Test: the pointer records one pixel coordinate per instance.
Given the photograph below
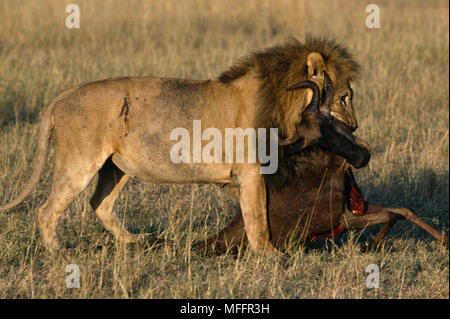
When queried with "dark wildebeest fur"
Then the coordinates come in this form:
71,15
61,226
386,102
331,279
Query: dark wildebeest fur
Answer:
314,203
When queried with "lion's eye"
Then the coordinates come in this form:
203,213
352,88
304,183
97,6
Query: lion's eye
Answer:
343,100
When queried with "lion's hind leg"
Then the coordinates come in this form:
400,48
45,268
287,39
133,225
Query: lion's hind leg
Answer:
111,180
71,176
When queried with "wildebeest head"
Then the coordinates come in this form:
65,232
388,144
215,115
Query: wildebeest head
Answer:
318,127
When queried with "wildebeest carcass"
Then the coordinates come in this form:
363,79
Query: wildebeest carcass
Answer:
331,201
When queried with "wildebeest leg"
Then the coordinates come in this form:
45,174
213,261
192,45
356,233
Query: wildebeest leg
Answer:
71,176
375,215
252,198
412,217
111,180
378,214
381,234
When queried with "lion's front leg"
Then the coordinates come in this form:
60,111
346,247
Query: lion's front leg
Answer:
252,197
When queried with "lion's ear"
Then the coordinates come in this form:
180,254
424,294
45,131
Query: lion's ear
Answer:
316,67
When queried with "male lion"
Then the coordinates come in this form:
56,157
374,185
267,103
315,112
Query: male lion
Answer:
120,128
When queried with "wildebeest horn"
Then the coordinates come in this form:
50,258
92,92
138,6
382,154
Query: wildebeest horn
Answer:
312,107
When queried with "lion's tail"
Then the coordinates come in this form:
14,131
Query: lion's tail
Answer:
45,132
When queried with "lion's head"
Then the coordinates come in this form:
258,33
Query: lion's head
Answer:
291,65
281,66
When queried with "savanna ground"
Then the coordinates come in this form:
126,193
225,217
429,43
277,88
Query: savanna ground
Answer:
402,103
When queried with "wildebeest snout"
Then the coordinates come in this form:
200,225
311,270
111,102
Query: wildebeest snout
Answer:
337,137
361,159
362,155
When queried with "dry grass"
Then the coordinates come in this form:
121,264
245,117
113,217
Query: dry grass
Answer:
401,102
